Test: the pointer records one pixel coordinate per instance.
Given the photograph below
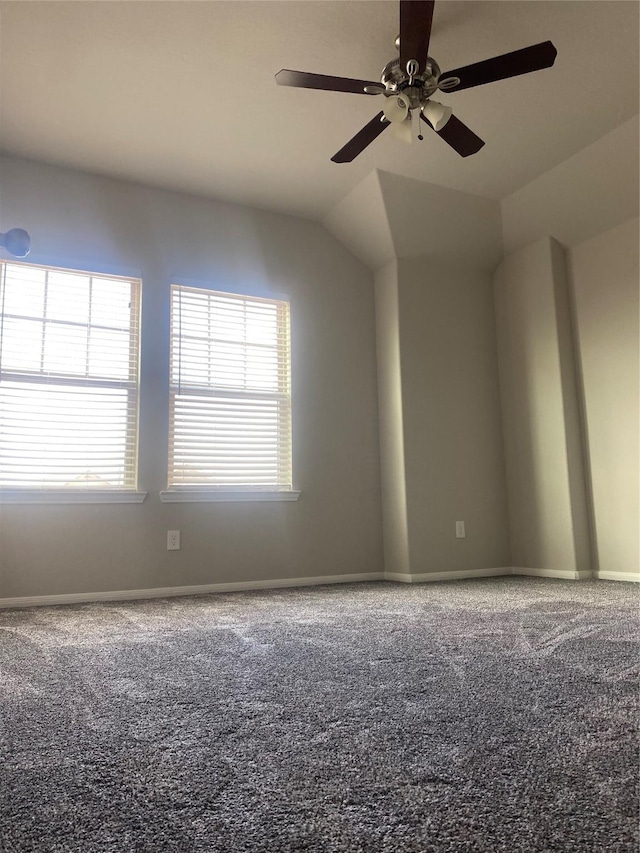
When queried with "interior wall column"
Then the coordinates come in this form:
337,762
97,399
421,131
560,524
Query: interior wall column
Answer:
548,519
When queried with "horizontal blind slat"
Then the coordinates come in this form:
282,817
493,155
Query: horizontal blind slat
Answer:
68,378
230,405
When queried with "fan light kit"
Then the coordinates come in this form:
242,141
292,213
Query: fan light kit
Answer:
408,82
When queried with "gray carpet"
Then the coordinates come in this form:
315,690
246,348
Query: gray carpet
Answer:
496,715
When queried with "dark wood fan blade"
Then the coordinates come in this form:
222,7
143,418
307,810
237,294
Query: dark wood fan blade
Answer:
415,31
523,61
362,138
303,80
456,134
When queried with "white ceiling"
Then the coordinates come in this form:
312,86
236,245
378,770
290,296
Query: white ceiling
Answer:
182,95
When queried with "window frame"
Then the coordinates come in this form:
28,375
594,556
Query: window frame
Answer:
43,494
212,493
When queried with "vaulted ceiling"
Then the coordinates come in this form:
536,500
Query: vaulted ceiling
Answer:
182,94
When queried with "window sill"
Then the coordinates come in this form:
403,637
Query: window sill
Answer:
220,496
71,496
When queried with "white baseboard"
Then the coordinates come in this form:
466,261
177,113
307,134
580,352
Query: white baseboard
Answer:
447,576
501,571
551,573
633,577
174,591
397,577
282,583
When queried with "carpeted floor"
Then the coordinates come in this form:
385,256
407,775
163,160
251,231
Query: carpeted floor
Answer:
495,715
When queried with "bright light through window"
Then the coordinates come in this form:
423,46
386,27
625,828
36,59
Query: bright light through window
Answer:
230,419
68,378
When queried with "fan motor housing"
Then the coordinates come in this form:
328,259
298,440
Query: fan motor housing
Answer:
395,79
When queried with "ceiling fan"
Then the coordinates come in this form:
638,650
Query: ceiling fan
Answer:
408,82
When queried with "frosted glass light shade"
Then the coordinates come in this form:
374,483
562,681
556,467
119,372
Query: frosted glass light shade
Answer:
396,108
437,114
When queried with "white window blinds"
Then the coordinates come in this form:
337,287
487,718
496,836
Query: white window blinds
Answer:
68,378
230,417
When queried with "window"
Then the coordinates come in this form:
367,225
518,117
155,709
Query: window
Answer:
230,409
68,383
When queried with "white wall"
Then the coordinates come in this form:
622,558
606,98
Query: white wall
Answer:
361,223
542,439
604,273
451,412
440,428
450,226
99,224
391,412
585,195
589,204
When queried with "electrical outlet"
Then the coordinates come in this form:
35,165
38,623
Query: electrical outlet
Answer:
460,534
173,540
